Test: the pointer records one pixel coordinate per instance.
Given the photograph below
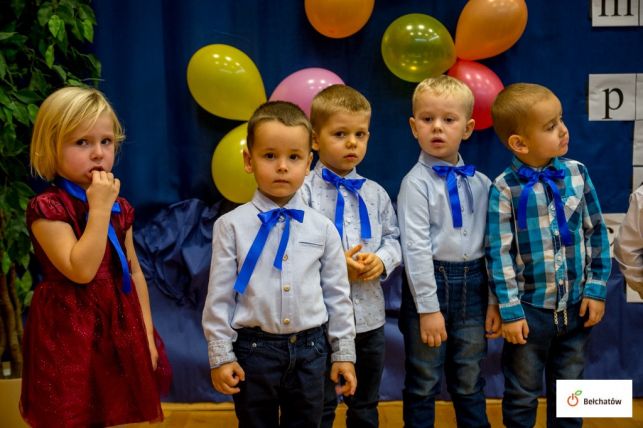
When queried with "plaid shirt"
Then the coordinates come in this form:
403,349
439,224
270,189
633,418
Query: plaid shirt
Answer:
532,265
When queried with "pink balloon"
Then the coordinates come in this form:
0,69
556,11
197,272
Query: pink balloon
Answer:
301,87
484,84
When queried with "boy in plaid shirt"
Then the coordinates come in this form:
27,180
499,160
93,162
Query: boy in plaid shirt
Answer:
547,253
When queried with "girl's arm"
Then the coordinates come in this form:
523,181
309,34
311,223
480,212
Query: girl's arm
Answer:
141,289
79,259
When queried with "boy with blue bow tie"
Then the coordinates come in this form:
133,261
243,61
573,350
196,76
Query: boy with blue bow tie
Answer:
548,253
278,286
367,225
445,309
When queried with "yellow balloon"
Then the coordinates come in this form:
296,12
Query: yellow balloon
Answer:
225,82
228,172
417,46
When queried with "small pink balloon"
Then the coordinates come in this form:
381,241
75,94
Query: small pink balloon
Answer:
301,87
484,84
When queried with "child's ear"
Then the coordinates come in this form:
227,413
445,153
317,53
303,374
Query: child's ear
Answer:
468,130
413,129
310,161
315,142
247,161
517,144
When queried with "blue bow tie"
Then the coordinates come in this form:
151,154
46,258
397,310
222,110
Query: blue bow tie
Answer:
547,176
353,186
79,193
451,173
268,220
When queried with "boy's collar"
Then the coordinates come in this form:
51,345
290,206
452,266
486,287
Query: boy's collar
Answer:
517,163
264,203
429,160
320,165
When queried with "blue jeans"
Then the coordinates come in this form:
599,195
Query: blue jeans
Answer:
462,293
362,407
554,347
284,383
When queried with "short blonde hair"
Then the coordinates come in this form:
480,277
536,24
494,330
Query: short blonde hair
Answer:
334,99
61,114
284,112
512,106
445,85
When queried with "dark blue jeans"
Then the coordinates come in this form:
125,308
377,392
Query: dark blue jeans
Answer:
554,347
462,293
284,383
362,407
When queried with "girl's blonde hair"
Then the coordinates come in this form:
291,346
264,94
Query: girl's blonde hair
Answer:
445,85
60,115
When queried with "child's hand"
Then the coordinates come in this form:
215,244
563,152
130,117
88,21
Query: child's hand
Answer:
103,191
225,378
355,267
493,322
154,353
373,266
432,329
516,332
346,370
596,311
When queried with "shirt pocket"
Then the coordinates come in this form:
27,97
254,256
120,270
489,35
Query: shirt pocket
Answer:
311,246
573,211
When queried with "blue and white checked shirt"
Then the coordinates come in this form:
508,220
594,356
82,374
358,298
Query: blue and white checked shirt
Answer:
426,226
533,266
367,296
311,288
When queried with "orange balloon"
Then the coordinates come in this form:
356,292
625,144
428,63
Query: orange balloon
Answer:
338,18
489,27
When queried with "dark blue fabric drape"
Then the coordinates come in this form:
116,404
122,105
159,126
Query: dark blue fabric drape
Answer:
145,47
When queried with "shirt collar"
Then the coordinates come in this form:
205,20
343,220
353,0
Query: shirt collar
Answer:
263,203
320,165
517,163
429,161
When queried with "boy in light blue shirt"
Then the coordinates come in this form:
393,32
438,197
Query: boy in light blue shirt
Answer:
442,208
367,224
278,285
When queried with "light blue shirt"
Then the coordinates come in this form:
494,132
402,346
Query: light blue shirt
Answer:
367,296
426,226
310,289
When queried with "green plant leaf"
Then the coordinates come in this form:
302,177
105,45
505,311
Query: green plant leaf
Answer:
49,56
6,263
5,36
56,26
88,30
18,6
3,66
33,111
61,72
44,13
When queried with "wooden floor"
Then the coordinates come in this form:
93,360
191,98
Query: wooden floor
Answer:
202,415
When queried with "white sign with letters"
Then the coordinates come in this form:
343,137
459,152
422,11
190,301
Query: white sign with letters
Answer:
612,96
616,13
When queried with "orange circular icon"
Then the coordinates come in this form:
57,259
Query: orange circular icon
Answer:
572,400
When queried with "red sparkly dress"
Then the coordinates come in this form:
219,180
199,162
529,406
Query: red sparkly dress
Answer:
86,357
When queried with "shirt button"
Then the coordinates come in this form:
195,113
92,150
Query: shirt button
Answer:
285,257
560,282
552,208
556,233
293,339
286,321
286,288
356,301
464,232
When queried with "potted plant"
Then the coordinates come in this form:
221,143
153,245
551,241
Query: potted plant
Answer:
44,45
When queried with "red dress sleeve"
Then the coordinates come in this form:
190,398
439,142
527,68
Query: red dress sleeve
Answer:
48,206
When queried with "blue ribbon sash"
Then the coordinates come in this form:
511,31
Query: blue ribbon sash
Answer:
353,186
79,193
547,177
268,220
450,173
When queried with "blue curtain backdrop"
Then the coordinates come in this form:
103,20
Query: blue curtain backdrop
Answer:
145,47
